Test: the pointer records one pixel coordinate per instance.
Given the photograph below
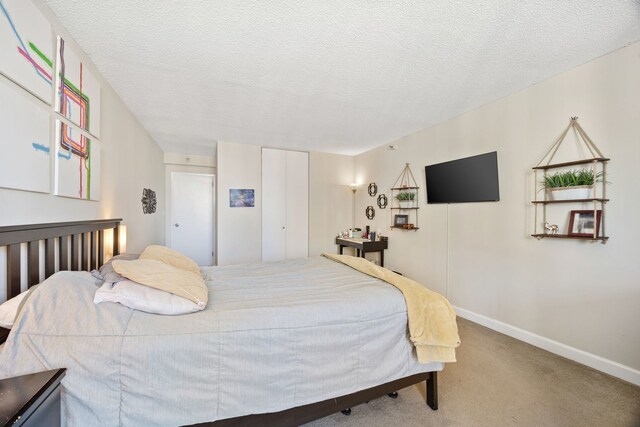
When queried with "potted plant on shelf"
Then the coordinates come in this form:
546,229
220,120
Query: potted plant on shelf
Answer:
406,199
571,185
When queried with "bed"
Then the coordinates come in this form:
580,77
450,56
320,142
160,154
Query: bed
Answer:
278,344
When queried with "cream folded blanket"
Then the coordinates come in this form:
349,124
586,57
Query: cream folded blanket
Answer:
432,321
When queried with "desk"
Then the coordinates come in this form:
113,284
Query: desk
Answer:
363,246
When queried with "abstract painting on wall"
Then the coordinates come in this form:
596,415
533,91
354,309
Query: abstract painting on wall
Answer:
77,172
78,91
241,198
26,50
25,161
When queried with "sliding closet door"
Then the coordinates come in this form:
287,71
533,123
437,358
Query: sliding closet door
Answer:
285,204
297,204
273,205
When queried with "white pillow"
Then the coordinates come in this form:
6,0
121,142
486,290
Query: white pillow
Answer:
144,298
9,310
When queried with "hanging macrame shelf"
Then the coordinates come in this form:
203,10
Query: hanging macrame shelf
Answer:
404,201
597,161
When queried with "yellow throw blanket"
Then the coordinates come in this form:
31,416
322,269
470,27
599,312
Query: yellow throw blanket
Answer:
432,321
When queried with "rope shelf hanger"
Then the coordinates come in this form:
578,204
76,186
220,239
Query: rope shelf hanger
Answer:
405,180
406,183
596,155
545,164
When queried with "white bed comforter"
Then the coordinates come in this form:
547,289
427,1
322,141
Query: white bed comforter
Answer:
274,336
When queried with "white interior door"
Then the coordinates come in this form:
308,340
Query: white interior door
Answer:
297,204
273,205
192,210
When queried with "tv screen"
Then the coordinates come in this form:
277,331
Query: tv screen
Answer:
472,179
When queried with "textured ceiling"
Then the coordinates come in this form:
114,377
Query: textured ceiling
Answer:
329,75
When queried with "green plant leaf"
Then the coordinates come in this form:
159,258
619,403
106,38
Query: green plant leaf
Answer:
571,178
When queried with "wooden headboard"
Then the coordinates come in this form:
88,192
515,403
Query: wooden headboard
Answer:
80,246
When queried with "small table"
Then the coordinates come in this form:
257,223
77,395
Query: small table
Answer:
363,246
31,400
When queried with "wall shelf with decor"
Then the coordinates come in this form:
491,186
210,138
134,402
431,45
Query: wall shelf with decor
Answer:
404,199
566,187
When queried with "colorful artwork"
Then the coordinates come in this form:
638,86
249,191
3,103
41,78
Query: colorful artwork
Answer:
77,164
241,198
26,47
78,91
25,160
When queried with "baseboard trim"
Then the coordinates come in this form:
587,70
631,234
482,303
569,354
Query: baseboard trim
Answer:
596,362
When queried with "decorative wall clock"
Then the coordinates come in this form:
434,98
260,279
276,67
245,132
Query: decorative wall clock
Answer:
373,189
371,213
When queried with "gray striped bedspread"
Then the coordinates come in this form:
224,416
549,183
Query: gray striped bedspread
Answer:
273,336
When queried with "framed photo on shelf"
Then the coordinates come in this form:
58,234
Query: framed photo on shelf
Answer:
582,223
400,220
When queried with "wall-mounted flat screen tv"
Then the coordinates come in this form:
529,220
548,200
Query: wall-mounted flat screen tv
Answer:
472,179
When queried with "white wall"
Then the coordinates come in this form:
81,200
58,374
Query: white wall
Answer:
131,161
330,199
577,298
239,229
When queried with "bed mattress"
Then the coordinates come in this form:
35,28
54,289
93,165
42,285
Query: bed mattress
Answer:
273,336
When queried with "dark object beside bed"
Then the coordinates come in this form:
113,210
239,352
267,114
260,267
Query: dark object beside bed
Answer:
31,400
84,251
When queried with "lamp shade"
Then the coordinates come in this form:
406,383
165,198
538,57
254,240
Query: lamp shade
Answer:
122,239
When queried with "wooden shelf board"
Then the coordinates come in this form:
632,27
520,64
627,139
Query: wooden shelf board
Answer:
571,201
566,236
573,163
405,188
407,229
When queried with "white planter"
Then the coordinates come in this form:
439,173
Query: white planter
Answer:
407,204
570,193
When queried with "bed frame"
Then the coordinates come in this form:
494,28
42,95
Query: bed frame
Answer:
80,247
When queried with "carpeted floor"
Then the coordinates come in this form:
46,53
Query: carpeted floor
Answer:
500,381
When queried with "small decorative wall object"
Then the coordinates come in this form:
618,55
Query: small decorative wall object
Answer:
565,186
382,201
373,189
370,212
551,228
583,223
77,161
78,94
241,198
24,162
400,221
405,191
149,201
26,47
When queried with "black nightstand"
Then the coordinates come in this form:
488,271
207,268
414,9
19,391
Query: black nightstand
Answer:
31,400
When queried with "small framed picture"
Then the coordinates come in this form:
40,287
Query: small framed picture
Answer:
400,220
583,223
241,198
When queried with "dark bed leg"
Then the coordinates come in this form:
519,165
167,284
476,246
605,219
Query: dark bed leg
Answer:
432,391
